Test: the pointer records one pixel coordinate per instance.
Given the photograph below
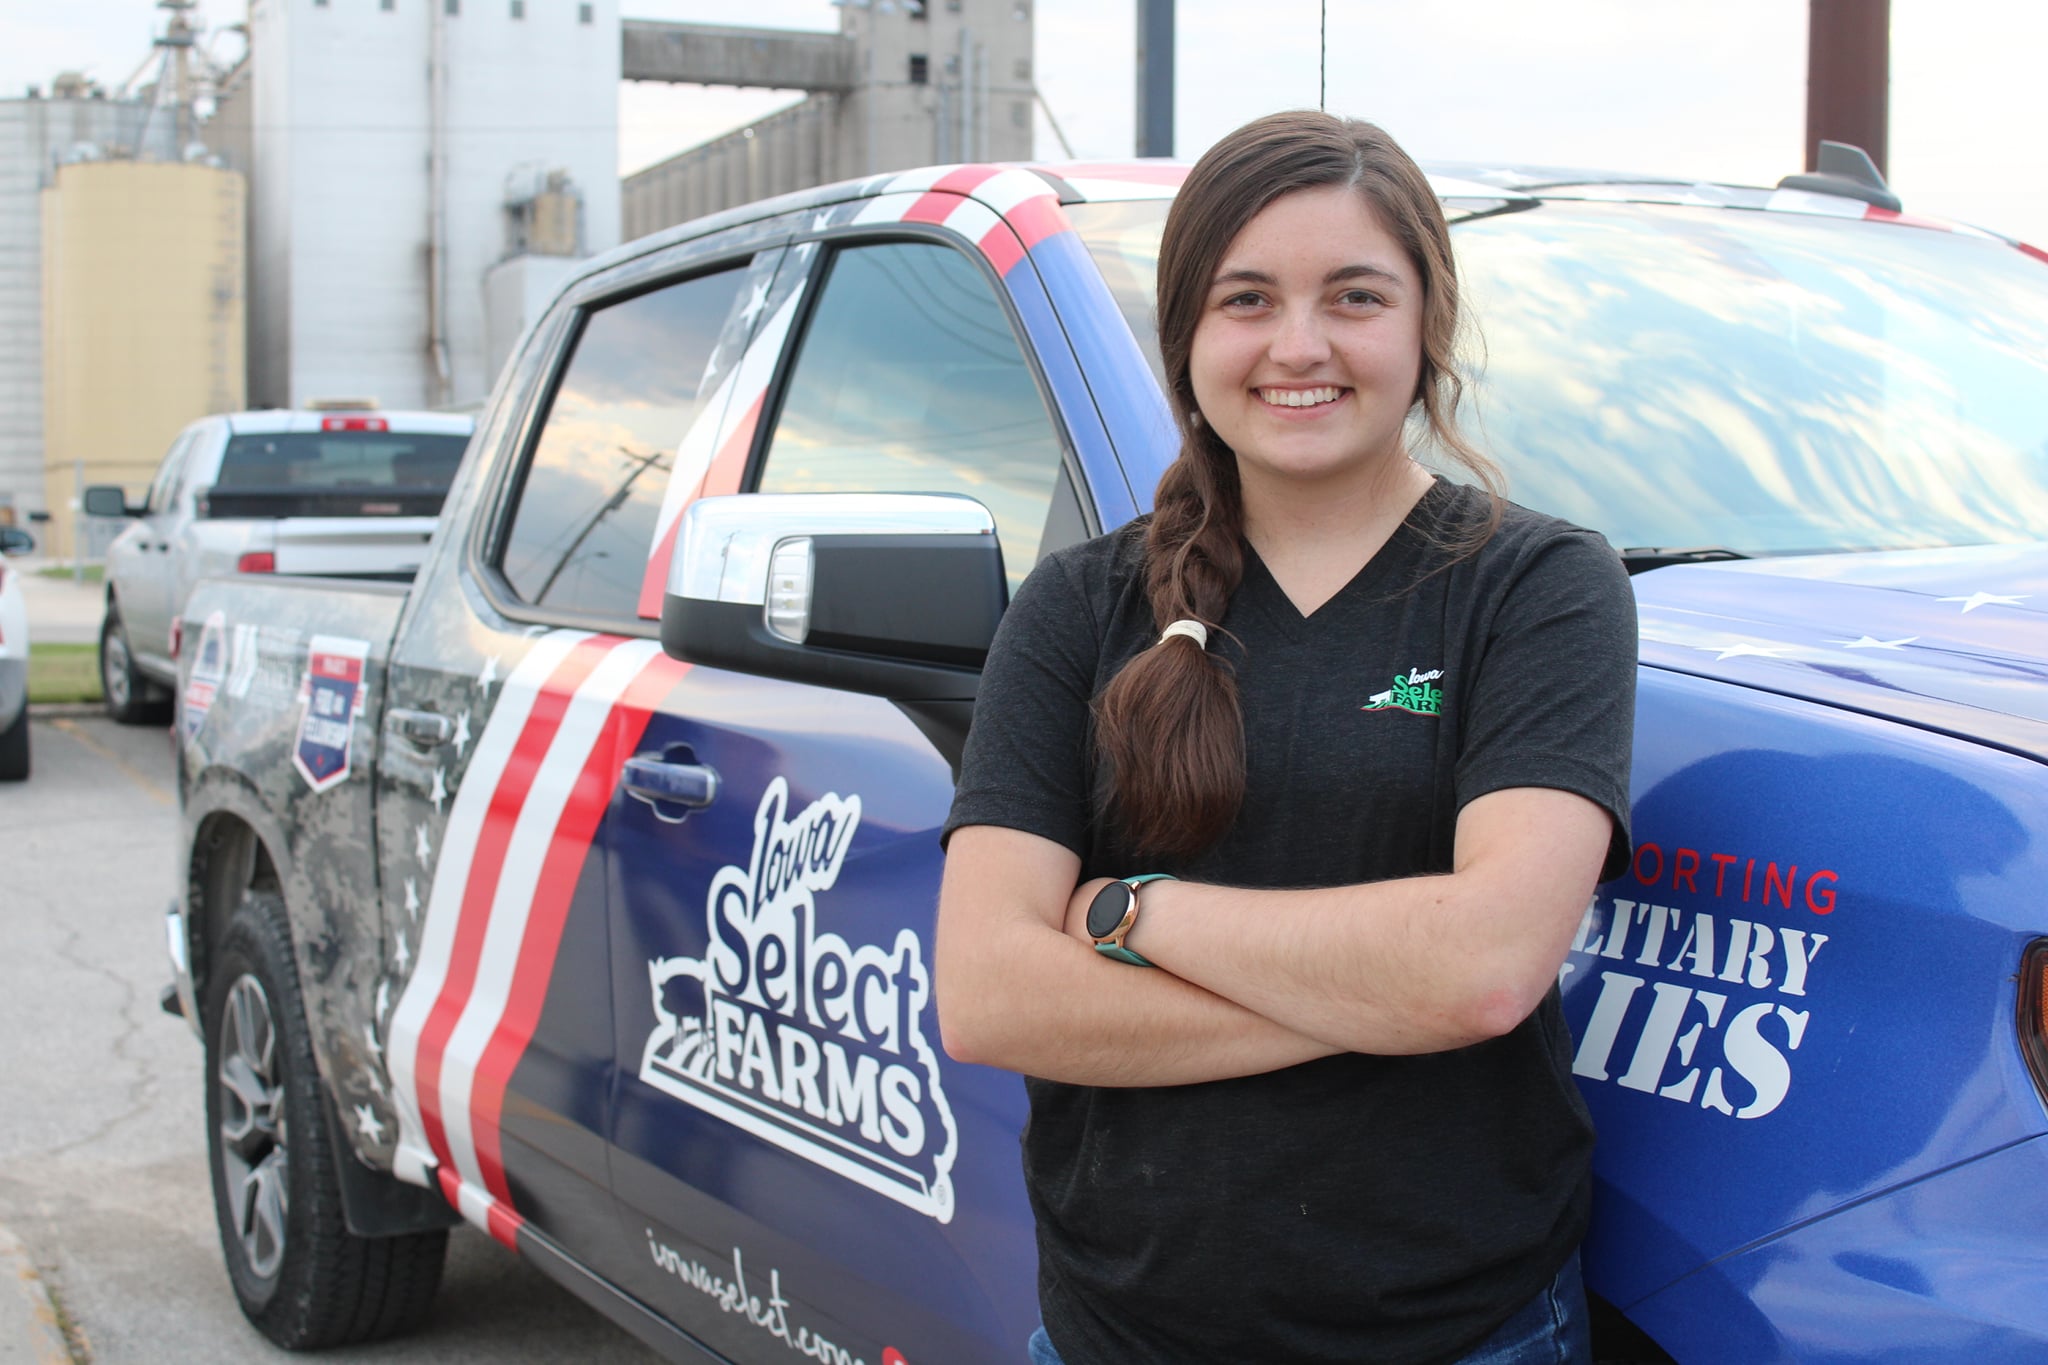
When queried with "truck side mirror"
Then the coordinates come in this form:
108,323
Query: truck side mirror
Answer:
108,500
892,594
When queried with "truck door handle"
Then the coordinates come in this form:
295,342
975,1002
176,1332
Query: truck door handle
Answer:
428,729
672,788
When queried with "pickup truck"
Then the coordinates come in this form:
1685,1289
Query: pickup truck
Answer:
584,889
343,490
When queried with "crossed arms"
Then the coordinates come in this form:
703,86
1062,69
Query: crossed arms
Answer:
1252,981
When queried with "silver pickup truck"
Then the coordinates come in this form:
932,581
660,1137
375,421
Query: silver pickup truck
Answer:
351,493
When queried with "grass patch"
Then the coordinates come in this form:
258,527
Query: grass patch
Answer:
63,673
94,573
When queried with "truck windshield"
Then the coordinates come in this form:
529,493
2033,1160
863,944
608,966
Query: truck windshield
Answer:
354,461
1771,383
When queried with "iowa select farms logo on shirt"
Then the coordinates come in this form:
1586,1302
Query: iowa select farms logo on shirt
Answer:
801,1036
1417,692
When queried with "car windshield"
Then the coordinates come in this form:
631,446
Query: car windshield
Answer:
1769,383
341,459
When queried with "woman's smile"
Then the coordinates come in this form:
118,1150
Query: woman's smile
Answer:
1300,398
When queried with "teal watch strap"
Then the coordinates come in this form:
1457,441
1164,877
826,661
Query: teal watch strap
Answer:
1117,950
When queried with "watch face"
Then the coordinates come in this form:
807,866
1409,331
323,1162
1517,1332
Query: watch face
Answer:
1108,908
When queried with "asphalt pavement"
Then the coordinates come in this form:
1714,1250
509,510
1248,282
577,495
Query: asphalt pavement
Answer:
107,1236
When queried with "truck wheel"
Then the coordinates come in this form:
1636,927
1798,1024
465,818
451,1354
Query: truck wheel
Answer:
301,1276
131,698
14,748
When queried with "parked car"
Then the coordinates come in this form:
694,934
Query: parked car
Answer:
14,540
13,675
584,890
344,491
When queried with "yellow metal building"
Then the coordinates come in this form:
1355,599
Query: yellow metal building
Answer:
143,320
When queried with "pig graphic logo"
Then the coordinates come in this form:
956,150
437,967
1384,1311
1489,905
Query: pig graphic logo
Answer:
799,1034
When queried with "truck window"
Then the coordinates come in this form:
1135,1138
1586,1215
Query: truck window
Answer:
910,380
166,481
591,494
379,460
193,464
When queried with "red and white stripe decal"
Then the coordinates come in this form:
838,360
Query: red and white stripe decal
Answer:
1841,206
512,851
713,455
1002,210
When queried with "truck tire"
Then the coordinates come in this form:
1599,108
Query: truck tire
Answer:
14,748
302,1278
131,698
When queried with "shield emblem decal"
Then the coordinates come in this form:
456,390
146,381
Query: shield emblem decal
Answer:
331,694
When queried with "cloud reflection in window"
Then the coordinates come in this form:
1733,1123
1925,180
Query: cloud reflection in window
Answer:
1770,383
593,491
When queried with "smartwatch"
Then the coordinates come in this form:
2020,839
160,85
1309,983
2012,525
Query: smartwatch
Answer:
1112,914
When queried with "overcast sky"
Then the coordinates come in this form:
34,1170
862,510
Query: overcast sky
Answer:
1710,88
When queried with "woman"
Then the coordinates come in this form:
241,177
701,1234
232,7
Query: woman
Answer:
1356,739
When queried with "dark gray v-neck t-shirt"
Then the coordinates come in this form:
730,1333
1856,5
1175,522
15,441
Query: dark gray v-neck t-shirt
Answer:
1355,1208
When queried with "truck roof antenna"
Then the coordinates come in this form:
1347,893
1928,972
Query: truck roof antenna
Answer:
1848,172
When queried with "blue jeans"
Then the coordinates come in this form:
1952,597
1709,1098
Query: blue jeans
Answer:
1553,1328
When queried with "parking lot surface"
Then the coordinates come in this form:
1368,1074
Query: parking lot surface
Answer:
103,1183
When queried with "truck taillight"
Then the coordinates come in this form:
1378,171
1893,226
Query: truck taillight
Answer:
257,561
2034,1012
177,635
354,424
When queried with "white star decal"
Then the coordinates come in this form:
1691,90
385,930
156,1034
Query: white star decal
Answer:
376,1083
383,998
370,1037
439,795
412,898
488,676
461,733
1985,599
368,1124
420,844
1866,642
1738,651
755,303
822,221
402,953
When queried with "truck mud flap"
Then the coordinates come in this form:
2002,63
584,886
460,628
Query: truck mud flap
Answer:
377,1203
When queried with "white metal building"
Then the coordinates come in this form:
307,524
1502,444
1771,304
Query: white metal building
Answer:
395,149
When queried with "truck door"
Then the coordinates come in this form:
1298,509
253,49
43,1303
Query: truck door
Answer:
797,1164
519,686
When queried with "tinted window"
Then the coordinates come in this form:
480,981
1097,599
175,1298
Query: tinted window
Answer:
1774,383
161,487
592,493
341,459
910,380
1769,382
